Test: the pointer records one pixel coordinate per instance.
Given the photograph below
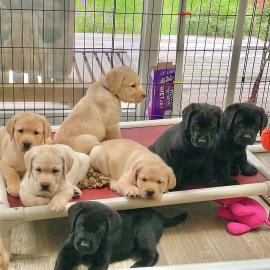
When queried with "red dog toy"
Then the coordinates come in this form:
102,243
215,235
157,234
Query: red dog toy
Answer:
245,214
265,138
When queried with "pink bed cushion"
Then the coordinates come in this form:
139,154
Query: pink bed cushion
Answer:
145,136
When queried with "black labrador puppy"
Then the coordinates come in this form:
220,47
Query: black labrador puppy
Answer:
100,236
242,122
188,147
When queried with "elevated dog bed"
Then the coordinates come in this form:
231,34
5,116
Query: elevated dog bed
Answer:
12,212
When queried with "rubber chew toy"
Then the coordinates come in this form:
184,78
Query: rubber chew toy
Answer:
265,138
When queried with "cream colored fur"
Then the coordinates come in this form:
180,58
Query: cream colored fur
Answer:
96,116
57,166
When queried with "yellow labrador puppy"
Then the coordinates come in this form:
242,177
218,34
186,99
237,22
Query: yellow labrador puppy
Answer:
134,170
96,116
21,132
4,257
53,171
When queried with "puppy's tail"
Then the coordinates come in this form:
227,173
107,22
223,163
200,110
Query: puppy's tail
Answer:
170,222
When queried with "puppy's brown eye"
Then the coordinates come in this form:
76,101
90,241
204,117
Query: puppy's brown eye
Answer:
38,169
55,171
159,182
36,132
20,130
144,180
133,85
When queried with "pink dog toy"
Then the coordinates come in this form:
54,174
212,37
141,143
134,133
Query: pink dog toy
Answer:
244,213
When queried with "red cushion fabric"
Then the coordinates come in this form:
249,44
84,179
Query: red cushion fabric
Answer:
144,135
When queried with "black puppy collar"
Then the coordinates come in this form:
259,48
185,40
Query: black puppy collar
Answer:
104,86
108,89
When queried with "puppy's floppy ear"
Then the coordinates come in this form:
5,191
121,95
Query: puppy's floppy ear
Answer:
229,115
114,79
46,127
137,167
172,179
67,161
188,112
10,125
264,119
28,159
73,212
220,118
114,222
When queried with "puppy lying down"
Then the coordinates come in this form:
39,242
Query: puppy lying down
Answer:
53,171
134,171
100,236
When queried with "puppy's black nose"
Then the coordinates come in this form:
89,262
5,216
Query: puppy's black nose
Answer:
45,186
144,95
27,145
150,192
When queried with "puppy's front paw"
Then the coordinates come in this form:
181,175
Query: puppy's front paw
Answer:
13,190
57,205
234,170
248,170
77,193
213,183
132,192
230,182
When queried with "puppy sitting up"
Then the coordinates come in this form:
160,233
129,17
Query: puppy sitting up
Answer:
96,117
188,147
100,236
53,171
21,132
242,122
134,171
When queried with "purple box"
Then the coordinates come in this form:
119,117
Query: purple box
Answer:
160,91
